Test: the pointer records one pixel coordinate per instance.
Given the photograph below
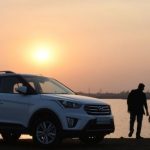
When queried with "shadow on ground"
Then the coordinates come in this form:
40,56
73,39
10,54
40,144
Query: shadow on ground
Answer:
107,144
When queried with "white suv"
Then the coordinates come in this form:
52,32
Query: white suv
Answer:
49,111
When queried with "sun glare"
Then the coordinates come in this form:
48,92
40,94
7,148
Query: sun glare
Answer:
43,55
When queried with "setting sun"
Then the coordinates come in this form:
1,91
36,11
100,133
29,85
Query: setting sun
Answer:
42,55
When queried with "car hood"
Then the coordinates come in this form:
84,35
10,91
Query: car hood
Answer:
76,98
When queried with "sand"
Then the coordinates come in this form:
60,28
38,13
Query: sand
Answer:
107,144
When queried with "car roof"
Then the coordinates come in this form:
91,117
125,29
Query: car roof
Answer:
10,73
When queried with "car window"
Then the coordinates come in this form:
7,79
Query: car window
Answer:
49,87
44,85
15,86
9,84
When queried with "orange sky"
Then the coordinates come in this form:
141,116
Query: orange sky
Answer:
101,45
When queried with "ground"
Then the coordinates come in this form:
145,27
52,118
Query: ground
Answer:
107,144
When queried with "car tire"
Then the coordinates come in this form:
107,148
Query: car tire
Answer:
91,139
47,132
10,137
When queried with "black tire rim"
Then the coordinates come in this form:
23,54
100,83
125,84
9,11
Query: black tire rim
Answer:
46,132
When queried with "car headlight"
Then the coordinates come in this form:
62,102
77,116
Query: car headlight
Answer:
69,104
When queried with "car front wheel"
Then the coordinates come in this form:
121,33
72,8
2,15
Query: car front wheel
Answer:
46,132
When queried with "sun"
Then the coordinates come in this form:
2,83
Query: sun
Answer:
43,55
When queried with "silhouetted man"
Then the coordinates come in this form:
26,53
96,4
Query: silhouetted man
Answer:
136,102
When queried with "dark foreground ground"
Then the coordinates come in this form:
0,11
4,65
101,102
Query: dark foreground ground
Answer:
107,144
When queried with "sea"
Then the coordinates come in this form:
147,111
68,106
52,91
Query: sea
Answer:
121,119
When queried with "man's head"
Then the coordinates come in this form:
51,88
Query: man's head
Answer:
141,86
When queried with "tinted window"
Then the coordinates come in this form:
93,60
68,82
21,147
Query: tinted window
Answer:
44,85
9,84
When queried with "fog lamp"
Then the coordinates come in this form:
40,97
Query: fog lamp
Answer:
72,122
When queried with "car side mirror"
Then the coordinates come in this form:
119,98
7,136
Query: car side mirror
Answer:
22,89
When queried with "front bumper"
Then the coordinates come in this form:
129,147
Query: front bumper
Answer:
91,128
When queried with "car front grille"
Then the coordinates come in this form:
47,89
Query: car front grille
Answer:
97,109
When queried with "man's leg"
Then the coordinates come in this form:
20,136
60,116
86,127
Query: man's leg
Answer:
139,125
132,120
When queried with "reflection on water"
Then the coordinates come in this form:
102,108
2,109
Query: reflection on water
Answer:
121,117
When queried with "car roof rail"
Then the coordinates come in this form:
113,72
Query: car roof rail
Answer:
6,71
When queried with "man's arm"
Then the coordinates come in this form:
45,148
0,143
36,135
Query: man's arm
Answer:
145,105
129,101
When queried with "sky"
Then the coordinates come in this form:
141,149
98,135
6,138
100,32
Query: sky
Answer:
93,45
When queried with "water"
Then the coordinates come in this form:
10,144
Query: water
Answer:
121,117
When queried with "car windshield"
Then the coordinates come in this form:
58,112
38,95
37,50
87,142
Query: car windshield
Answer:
44,85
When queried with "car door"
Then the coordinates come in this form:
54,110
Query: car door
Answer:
14,107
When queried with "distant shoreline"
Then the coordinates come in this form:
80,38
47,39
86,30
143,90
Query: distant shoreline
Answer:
122,95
